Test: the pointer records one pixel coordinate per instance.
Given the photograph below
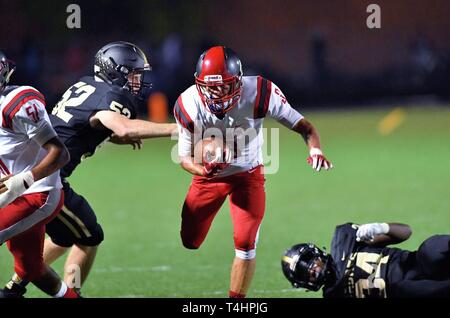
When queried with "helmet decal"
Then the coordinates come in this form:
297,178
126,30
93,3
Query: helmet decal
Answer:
213,78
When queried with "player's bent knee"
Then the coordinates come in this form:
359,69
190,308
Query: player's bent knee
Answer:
96,238
189,242
190,245
245,255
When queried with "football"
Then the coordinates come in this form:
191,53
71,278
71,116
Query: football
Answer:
211,149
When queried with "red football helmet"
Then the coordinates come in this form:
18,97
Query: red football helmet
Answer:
218,78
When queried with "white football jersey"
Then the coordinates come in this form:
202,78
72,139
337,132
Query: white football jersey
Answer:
242,125
24,128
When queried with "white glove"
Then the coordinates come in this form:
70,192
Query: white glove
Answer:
317,160
16,185
367,232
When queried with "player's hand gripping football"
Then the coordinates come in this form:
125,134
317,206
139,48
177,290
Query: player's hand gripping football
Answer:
317,160
215,162
367,232
13,186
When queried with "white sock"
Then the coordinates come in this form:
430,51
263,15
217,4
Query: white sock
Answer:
62,291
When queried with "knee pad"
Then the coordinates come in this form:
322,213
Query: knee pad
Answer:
246,255
97,236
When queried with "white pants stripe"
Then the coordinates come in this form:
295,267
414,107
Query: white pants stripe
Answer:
28,222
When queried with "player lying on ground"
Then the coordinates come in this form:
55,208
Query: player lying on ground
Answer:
361,265
224,102
30,186
91,111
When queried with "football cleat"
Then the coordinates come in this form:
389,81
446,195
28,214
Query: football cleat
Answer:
13,290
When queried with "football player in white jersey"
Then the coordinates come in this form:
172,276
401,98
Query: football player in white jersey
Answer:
224,102
30,187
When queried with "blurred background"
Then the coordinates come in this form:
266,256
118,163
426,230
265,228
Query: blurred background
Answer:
379,97
321,53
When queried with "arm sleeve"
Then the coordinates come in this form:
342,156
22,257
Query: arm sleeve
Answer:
185,129
32,120
280,109
343,242
184,142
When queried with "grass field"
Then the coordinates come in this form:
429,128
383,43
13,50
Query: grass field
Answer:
403,176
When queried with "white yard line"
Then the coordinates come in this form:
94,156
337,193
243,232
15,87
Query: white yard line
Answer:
162,268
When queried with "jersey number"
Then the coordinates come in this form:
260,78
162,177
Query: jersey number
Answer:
283,99
119,108
33,113
73,97
371,264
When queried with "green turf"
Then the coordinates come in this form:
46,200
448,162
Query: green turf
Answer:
403,177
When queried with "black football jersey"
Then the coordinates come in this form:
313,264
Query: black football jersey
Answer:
71,115
362,271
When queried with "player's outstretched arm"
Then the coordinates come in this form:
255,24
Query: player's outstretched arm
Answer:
312,140
308,132
56,158
131,129
383,234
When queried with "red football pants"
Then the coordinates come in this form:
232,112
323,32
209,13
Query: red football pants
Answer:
22,226
206,196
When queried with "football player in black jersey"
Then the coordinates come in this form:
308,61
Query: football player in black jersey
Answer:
91,111
362,266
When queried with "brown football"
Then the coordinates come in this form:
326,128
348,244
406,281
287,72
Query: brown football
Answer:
209,149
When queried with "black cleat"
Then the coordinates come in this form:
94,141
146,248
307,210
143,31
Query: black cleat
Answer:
13,290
